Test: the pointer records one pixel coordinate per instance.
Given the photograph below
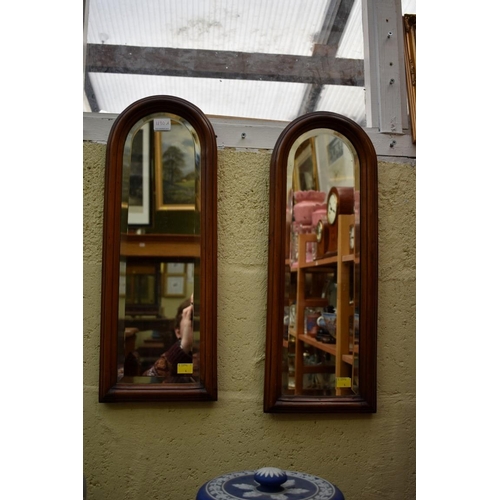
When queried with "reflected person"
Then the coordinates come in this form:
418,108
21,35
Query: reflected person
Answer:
181,352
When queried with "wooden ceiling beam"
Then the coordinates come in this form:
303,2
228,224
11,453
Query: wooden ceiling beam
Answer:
89,92
321,68
336,17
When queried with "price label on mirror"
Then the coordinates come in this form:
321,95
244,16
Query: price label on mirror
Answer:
343,382
162,124
185,368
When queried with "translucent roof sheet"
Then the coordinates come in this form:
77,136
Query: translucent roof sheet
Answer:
229,57
270,26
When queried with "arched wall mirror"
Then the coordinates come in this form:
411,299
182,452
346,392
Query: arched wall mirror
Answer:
322,278
159,281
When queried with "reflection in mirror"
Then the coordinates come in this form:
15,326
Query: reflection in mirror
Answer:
158,332
321,335
156,293
318,161
158,281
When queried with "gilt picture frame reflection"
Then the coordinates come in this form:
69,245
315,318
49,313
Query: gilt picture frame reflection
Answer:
305,176
177,159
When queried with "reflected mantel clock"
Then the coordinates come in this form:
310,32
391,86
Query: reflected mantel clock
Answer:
340,201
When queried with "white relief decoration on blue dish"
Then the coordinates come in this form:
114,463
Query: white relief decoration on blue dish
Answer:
283,495
308,487
270,471
245,486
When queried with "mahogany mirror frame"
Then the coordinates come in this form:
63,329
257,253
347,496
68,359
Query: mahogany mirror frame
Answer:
110,389
365,401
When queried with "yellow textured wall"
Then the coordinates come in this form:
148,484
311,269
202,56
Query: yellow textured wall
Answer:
166,451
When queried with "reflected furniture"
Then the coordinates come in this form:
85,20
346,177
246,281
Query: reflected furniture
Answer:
338,358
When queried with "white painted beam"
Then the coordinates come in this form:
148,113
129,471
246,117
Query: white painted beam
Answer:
386,107
253,134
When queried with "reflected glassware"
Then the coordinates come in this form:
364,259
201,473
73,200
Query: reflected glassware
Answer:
291,320
311,316
286,322
329,321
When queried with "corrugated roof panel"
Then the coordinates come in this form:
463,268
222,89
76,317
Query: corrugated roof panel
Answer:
347,101
351,42
409,6
243,98
268,26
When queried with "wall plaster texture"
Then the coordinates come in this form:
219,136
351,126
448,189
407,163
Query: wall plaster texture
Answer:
167,451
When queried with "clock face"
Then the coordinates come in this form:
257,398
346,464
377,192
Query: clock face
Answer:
332,208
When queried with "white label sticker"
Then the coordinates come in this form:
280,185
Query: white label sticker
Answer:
162,123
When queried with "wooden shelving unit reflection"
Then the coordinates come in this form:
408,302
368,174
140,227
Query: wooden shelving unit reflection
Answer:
341,265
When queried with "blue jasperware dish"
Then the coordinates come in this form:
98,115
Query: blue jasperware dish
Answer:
269,483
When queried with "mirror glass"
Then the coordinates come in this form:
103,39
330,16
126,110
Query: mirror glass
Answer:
320,315
159,249
158,319
320,337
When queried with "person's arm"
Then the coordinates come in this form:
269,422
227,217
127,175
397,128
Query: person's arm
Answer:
186,330
180,352
176,354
